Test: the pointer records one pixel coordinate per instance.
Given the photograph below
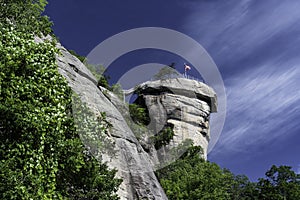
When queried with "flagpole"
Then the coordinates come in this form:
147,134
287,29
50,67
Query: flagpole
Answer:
184,70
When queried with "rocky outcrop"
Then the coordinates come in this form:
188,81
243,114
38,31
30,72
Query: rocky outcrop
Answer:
183,87
181,103
131,161
185,104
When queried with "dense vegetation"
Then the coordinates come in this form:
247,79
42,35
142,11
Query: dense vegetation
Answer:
190,177
41,154
25,16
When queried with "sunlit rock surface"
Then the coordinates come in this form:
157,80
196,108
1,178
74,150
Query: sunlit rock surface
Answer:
182,103
132,162
186,104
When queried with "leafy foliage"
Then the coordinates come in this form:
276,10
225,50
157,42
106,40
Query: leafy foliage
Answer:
243,189
93,130
99,72
81,58
117,90
103,82
41,154
138,120
166,73
25,15
190,177
163,137
96,70
138,114
280,183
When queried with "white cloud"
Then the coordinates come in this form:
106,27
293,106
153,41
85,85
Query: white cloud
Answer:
237,28
263,101
260,105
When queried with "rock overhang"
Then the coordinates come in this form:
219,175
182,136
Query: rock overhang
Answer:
181,86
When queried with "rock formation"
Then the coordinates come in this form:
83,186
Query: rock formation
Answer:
183,104
187,105
132,163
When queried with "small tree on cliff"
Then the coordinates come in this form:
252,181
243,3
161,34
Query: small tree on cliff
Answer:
166,72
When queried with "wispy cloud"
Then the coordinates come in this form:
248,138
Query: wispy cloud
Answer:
254,44
239,30
262,105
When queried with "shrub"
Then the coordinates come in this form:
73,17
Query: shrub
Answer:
25,15
81,58
164,137
138,114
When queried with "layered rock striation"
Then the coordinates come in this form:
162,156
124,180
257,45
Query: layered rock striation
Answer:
183,104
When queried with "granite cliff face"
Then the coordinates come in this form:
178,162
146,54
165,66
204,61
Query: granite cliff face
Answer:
132,163
185,104
182,104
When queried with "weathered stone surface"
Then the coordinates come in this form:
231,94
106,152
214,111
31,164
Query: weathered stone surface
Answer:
132,162
183,87
183,103
186,104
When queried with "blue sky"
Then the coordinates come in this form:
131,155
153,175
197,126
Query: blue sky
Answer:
255,44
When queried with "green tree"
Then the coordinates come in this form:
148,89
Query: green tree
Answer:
81,58
243,189
25,15
41,154
117,90
99,72
138,114
280,183
103,81
166,72
164,137
190,177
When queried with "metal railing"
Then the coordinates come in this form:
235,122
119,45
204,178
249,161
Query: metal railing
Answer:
192,78
174,76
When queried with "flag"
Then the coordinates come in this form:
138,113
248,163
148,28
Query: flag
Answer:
186,67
